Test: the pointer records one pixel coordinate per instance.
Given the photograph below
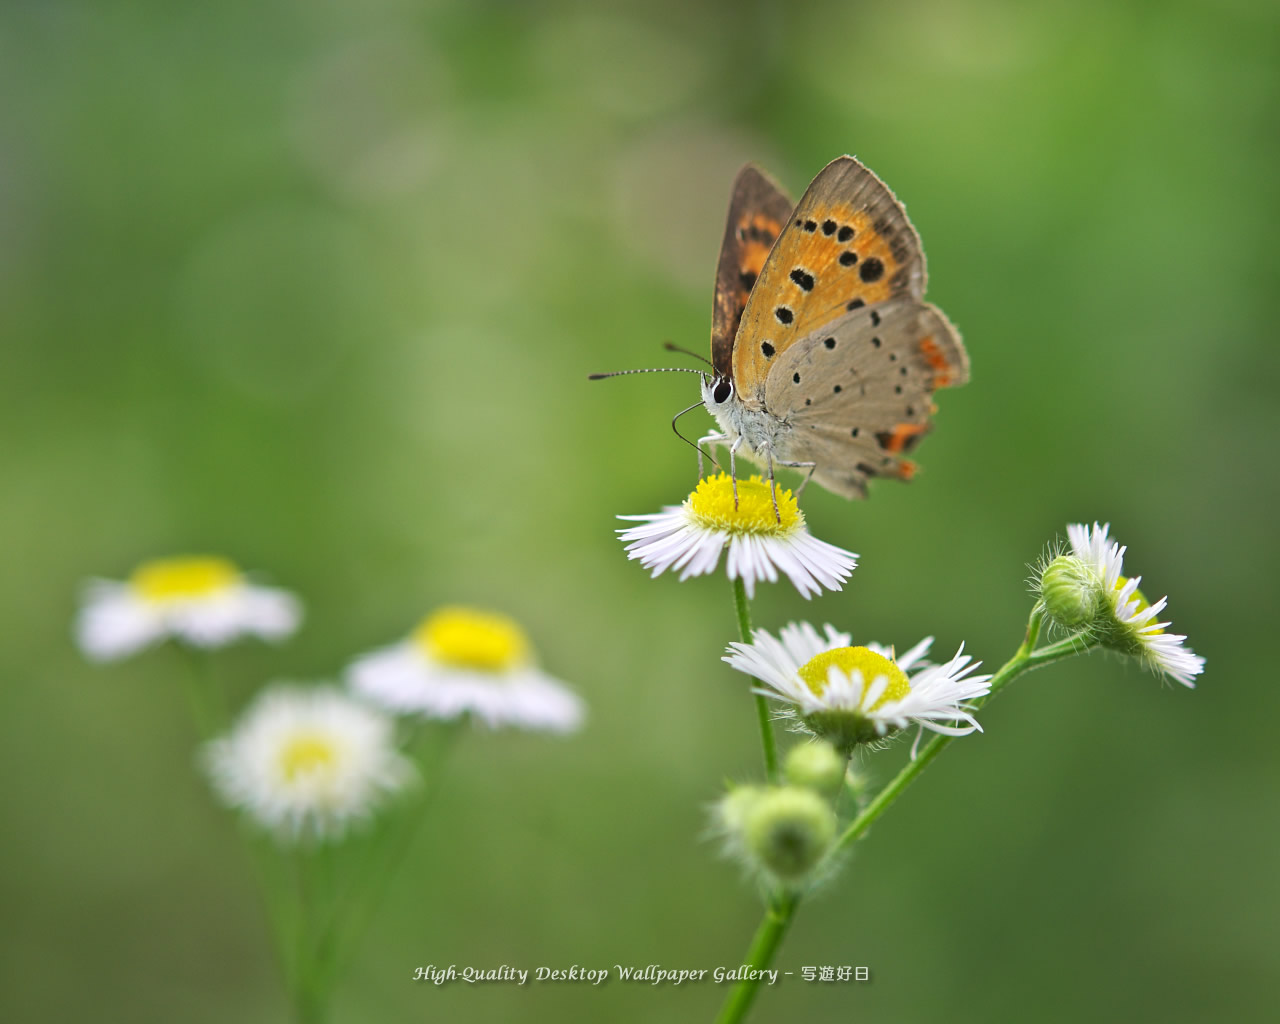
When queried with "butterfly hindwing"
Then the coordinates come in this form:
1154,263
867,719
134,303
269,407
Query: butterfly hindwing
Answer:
847,245
858,392
758,210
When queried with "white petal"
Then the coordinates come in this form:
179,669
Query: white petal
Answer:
114,623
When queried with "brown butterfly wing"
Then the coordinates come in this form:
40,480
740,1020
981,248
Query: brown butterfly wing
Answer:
758,209
847,245
858,392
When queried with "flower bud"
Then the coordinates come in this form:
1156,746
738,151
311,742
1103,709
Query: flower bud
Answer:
730,812
788,831
1072,591
815,766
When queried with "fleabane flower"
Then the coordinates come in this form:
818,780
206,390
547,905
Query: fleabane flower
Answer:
203,601
851,695
761,542
307,762
461,660
1129,620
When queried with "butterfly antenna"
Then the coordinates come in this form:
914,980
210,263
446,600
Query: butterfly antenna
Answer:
671,346
656,369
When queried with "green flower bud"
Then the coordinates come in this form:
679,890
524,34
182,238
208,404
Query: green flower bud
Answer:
788,832
815,766
1072,592
730,812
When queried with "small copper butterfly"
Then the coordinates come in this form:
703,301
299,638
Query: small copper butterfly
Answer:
825,354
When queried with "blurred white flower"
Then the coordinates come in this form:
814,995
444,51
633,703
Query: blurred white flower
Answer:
459,661
203,601
1133,629
307,762
761,542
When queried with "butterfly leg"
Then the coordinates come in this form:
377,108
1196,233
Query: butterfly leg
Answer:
713,438
767,450
733,468
811,466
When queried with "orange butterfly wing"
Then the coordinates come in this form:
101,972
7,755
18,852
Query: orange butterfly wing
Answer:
847,244
758,210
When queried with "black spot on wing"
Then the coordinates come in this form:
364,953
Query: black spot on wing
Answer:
803,278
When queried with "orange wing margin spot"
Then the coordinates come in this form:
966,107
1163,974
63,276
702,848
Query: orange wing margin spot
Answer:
897,439
906,469
757,235
764,223
942,369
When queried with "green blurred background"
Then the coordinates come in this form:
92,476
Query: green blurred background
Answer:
318,285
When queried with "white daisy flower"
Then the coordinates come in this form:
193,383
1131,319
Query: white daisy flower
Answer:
690,537
460,660
203,601
307,762
851,695
1134,629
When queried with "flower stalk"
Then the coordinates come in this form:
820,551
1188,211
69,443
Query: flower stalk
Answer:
764,718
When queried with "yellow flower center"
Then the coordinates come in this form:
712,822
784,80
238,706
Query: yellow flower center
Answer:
870,664
307,754
1141,598
712,503
177,579
473,639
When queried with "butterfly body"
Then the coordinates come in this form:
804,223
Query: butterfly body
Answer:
760,430
824,353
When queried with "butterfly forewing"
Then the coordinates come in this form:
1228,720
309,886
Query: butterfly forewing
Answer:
857,393
847,245
758,210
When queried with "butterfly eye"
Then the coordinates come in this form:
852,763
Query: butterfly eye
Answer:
722,392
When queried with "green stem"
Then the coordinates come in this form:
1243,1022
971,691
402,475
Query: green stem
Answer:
1024,660
207,701
312,977
763,717
303,1006
764,944
281,906
386,849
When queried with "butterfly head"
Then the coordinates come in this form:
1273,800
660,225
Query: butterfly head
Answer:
717,391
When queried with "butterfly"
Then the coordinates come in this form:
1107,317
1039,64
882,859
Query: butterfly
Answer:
824,354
